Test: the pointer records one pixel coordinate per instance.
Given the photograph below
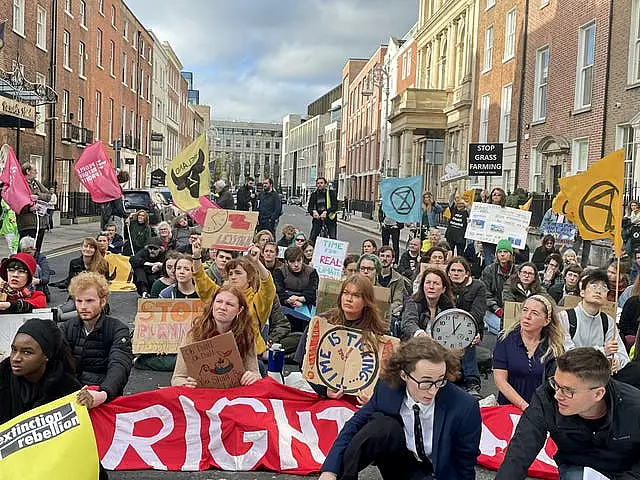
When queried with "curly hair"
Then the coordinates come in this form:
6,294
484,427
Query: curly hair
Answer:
98,263
204,325
257,236
371,323
405,358
86,280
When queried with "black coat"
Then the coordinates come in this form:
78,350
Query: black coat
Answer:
333,199
244,199
614,450
269,210
103,357
10,408
630,316
139,259
225,200
472,298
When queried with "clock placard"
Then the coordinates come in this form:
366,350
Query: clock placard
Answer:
454,328
338,358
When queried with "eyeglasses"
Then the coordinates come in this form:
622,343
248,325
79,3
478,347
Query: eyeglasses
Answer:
19,270
594,287
527,273
566,391
367,269
428,384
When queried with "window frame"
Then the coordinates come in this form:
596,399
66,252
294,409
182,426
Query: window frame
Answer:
576,144
510,29
633,75
537,112
485,109
583,68
41,28
487,57
505,113
18,6
82,60
66,50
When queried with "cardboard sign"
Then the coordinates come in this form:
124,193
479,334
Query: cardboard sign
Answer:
9,325
329,289
160,324
229,229
434,266
214,362
491,223
328,257
511,314
337,357
610,308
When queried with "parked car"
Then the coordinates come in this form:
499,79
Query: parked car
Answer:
151,200
166,193
295,201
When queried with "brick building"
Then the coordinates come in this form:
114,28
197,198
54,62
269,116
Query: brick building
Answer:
563,108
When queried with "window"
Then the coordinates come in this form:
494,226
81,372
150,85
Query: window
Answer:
442,74
490,3
634,44
277,145
81,59
80,118
484,118
427,68
626,139
267,145
67,6
124,68
98,114
579,155
132,124
505,114
544,3
64,109
83,14
125,30
101,6
540,85
99,47
40,109
112,55
488,49
535,171
66,50
510,35
113,16
133,75
18,17
584,74
460,51
41,28
110,120
123,121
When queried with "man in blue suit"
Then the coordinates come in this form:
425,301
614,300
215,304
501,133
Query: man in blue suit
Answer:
416,425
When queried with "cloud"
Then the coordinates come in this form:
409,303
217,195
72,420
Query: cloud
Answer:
261,59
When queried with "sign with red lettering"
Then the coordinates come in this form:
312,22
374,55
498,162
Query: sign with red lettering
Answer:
229,229
328,257
161,323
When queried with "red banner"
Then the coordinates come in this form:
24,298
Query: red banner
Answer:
264,426
15,189
200,214
97,175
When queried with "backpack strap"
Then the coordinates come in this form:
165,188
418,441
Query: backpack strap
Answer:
573,322
605,326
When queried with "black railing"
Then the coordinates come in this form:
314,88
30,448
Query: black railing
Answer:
78,204
364,206
70,132
85,136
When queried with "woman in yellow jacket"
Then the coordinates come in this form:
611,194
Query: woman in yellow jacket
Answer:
244,274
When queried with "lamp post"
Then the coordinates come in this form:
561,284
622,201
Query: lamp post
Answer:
379,76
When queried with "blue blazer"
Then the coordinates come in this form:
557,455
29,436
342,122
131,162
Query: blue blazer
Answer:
456,430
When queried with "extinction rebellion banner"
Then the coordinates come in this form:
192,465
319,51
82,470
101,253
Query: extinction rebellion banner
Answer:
264,426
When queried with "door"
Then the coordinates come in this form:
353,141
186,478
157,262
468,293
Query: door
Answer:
556,173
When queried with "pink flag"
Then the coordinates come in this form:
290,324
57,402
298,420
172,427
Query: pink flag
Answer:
199,214
97,175
15,189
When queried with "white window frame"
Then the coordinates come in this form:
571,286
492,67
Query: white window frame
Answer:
485,105
535,171
99,36
113,17
83,14
101,7
544,3
112,58
110,121
125,30
41,28
585,67
626,139
125,65
490,4
488,49
96,133
505,113
510,25
634,45
579,164
67,7
82,60
64,106
541,82
80,118
66,50
18,17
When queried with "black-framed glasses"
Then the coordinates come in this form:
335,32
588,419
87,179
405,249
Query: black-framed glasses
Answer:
566,391
428,384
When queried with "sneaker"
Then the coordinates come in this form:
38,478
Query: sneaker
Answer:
145,295
474,391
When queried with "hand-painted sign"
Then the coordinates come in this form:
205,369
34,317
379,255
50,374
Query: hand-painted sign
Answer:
229,229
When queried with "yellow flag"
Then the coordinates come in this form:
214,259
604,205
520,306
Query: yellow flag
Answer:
527,205
120,274
447,213
592,200
188,174
50,442
468,196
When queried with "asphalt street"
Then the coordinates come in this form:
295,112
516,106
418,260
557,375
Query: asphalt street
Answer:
123,306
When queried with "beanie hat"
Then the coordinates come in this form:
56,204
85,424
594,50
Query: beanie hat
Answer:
154,242
27,260
504,244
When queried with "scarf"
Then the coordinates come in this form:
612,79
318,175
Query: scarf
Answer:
13,295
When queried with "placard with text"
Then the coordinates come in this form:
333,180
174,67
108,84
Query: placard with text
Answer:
229,229
328,257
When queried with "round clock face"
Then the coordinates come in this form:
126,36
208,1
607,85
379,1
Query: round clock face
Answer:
454,328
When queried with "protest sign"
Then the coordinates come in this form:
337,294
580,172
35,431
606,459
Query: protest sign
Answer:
564,233
337,357
229,229
11,323
435,266
49,442
160,324
214,362
120,273
328,257
491,223
329,289
511,314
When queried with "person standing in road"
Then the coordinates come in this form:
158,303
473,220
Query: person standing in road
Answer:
30,222
53,203
247,199
390,232
269,207
323,205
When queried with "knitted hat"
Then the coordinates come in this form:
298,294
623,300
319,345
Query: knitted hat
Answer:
154,242
27,260
504,244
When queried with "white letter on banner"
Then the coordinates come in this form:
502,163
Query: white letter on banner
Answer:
259,438
191,435
340,415
286,433
542,455
489,443
123,437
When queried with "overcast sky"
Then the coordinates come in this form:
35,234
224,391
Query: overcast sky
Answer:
261,59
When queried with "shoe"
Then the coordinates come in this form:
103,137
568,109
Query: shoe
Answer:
145,295
473,390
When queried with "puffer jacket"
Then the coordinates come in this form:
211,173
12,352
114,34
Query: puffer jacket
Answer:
494,280
103,357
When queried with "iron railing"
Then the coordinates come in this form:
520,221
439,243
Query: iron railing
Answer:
78,204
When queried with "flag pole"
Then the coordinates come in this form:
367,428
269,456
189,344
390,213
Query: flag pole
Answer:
127,225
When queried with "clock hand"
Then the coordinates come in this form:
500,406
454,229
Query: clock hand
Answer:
455,329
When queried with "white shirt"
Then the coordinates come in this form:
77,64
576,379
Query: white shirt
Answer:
426,420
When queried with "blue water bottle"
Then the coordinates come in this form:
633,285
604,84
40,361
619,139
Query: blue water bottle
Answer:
275,366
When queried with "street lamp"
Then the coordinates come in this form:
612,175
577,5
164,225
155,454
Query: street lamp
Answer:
379,76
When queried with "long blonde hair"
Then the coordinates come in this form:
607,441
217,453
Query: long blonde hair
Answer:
552,332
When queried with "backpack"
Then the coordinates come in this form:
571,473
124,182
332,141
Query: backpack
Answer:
573,323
